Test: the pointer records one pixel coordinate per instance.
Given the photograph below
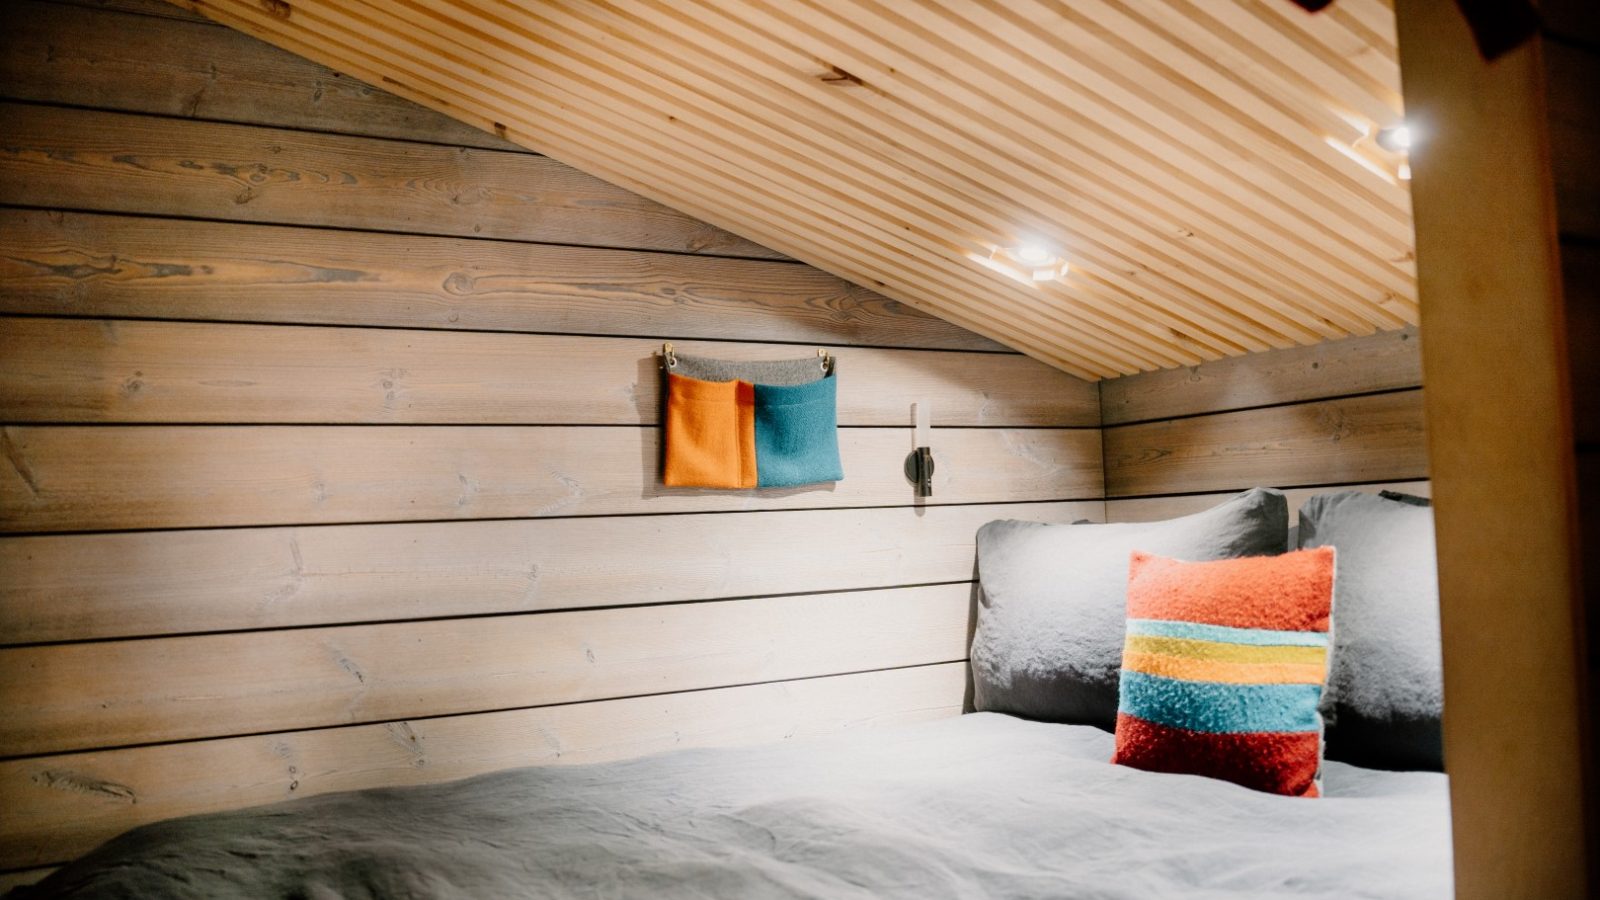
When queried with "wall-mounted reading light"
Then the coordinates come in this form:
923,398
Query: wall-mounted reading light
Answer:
919,462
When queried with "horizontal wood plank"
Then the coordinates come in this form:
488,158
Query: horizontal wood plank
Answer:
1154,509
113,693
134,266
1357,439
86,370
79,587
97,57
114,162
88,478
1378,362
62,806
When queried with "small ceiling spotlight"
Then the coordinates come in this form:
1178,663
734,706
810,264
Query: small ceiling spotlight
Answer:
1028,263
1032,254
1396,138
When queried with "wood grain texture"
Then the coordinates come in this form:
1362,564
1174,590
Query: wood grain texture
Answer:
112,693
1501,461
1572,98
1382,361
105,161
70,370
86,478
61,806
98,265
1358,439
80,587
97,58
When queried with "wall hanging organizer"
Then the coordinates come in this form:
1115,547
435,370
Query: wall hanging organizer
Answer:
732,424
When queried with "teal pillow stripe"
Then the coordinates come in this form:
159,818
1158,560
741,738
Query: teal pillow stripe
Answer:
1214,708
797,438
1198,631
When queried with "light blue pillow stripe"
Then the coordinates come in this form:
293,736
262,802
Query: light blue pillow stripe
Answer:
1264,637
1215,708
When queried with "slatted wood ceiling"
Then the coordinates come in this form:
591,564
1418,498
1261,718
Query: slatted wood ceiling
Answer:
1192,160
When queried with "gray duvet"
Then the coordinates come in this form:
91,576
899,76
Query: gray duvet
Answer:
982,805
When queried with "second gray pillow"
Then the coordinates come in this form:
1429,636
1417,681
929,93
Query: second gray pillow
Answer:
1054,598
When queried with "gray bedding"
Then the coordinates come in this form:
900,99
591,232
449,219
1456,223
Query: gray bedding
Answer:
983,805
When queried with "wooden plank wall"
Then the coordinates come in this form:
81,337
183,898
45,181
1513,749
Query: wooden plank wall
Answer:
330,442
1340,414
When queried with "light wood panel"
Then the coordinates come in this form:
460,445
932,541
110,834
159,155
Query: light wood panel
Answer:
1154,509
58,53
64,805
99,265
1184,156
86,478
1379,362
112,693
81,587
105,161
1343,441
1501,459
54,370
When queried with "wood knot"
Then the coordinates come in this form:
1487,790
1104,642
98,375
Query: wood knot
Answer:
836,75
277,8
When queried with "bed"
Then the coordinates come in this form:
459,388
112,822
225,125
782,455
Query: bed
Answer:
979,805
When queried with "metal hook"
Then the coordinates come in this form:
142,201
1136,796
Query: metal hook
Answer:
825,359
671,358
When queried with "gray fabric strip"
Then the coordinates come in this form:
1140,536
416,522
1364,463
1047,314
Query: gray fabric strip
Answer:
787,372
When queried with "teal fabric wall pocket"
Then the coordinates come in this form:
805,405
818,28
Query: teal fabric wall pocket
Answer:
797,435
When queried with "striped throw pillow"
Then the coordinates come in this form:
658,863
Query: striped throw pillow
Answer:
1223,667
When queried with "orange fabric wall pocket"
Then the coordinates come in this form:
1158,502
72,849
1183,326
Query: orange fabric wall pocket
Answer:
711,434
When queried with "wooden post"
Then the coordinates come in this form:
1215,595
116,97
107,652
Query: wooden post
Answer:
1501,457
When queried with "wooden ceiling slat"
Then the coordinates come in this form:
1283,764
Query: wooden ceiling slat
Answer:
1179,153
1068,349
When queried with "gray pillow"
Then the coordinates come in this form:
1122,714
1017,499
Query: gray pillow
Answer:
1385,687
1054,600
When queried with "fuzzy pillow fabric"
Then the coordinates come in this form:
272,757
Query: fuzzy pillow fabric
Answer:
1223,668
1385,695
1050,621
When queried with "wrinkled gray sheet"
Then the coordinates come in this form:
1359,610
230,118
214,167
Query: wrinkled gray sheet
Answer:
983,805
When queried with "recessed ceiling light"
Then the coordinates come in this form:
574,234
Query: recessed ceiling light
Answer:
1396,138
1028,263
1033,254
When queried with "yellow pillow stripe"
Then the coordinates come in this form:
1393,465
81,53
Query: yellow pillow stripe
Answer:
1222,671
1214,650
